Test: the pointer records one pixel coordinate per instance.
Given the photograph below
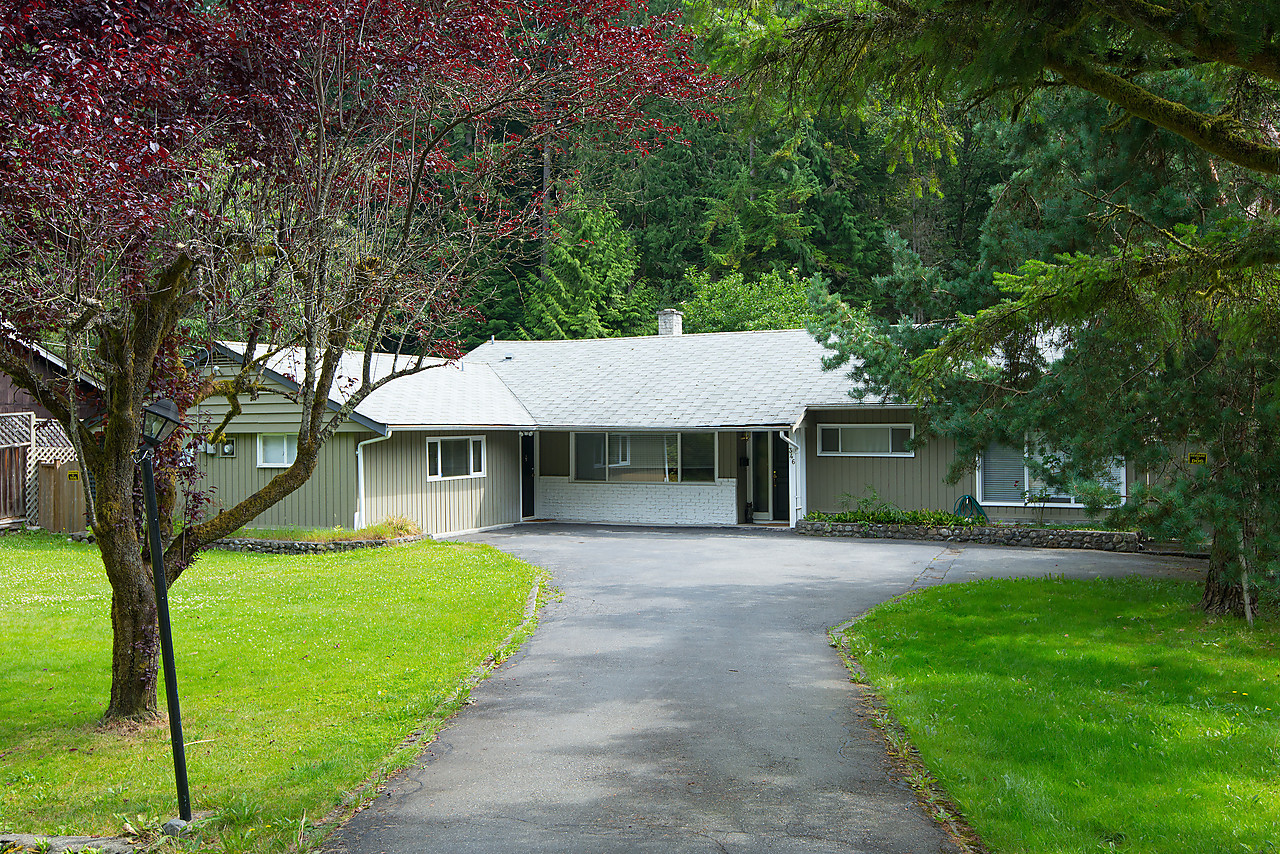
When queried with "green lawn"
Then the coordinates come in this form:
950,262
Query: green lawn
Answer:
298,677
1085,716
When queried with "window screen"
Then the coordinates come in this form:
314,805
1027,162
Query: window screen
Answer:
1004,474
277,450
650,457
644,457
698,457
866,440
588,456
455,457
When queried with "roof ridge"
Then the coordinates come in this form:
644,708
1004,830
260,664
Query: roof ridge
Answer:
509,389
496,341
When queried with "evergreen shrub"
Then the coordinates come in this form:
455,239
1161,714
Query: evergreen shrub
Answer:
894,516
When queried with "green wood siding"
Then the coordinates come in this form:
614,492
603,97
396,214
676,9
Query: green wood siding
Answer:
912,483
396,483
270,413
327,499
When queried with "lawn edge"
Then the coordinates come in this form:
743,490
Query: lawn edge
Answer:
937,804
428,729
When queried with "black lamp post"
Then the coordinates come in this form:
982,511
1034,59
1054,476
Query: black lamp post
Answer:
159,420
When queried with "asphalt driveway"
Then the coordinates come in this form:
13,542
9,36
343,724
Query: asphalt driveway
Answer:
680,696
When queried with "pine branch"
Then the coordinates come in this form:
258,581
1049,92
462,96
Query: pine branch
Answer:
1216,134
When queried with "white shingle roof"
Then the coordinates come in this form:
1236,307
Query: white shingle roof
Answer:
454,394
725,379
444,395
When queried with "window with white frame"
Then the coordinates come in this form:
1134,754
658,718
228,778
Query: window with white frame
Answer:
277,450
460,456
1008,477
644,457
865,440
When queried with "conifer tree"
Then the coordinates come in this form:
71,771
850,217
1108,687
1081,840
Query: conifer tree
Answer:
589,287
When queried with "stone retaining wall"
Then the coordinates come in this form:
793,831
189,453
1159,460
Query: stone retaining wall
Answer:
290,547
1004,535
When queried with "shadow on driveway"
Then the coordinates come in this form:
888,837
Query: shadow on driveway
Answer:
680,696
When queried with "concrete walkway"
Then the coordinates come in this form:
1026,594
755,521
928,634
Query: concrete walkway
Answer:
680,696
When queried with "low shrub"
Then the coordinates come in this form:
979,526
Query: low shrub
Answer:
894,516
388,529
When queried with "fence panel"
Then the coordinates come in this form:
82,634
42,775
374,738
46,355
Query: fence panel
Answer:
16,436
62,506
13,486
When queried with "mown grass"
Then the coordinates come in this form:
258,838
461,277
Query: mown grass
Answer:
299,676
1085,716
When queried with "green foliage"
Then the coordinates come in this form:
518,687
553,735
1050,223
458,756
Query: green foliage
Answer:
929,518
734,304
921,54
588,288
758,215
1139,322
301,676
1056,713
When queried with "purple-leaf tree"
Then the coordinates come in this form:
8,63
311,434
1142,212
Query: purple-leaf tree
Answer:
327,176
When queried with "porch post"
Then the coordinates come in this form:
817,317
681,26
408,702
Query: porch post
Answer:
799,477
795,473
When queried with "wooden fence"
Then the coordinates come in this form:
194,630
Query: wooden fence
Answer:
13,484
62,505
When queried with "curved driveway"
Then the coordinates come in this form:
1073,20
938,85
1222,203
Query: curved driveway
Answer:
680,696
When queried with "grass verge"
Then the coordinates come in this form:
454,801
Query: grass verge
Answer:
299,677
1084,716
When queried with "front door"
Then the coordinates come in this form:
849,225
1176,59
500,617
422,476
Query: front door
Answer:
781,480
761,477
526,476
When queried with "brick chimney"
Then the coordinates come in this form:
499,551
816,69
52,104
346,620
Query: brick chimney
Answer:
670,321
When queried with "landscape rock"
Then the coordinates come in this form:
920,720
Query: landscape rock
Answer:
1003,535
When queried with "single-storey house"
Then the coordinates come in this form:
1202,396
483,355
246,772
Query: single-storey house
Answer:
671,429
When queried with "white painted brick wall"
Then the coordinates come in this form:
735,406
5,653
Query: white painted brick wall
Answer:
638,503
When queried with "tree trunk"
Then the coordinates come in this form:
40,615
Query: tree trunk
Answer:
136,645
1223,591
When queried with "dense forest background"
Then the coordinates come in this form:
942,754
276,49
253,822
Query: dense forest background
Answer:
734,217
1049,227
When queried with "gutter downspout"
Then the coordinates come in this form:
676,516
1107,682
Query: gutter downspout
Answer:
360,514
793,477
